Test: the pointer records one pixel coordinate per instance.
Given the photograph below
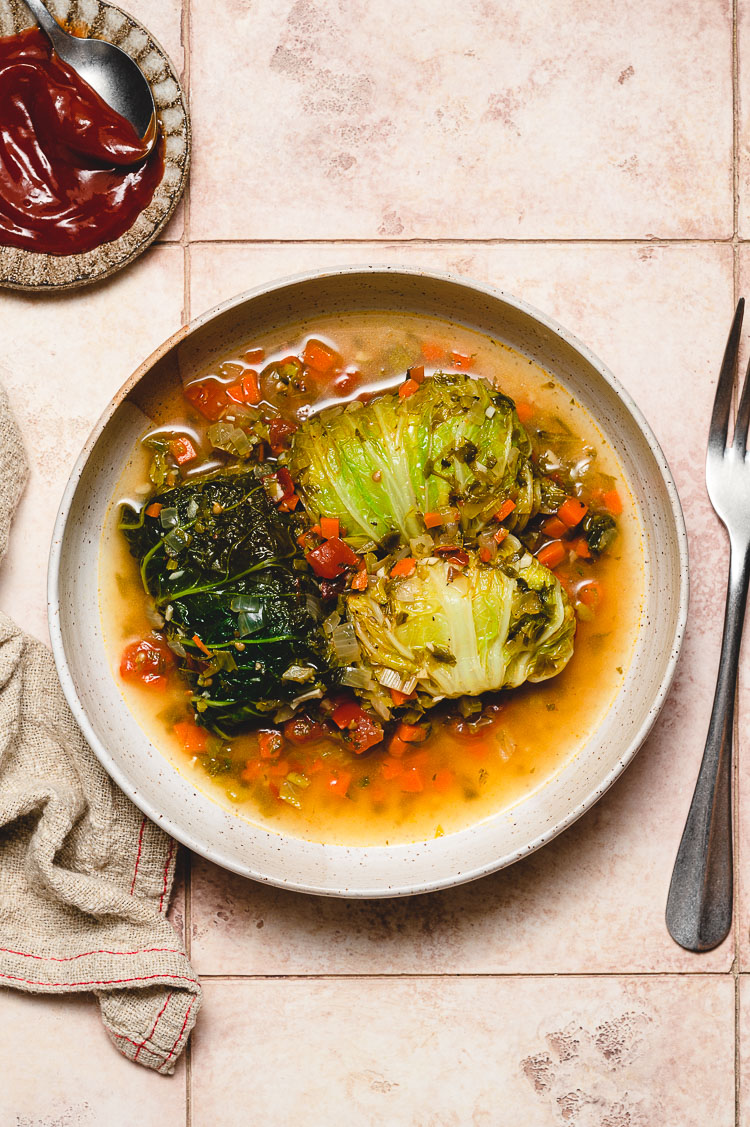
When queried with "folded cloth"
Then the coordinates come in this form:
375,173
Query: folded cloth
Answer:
85,879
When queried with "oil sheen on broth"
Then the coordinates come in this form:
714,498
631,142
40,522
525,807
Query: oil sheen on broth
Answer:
537,729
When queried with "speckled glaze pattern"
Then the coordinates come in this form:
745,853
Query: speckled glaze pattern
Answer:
236,844
29,270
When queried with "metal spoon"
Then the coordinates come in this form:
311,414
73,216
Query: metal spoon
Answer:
118,80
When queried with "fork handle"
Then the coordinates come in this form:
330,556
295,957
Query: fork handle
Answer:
699,906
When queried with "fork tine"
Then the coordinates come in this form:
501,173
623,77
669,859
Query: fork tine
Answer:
739,441
717,434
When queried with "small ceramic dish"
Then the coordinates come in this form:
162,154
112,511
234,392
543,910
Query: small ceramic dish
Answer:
30,270
195,819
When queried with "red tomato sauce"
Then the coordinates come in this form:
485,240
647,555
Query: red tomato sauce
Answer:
63,185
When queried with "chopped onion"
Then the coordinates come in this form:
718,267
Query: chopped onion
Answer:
344,642
356,678
298,673
389,678
169,518
314,694
422,545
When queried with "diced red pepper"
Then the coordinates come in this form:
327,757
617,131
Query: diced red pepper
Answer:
208,396
339,784
270,743
416,374
279,431
331,558
182,450
286,483
302,730
411,733
192,737
347,714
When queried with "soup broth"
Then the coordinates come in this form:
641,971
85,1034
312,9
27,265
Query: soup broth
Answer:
468,768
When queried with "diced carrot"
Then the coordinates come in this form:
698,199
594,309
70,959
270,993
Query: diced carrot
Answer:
416,758
316,530
485,555
255,355
191,736
612,501
432,352
319,356
339,784
572,511
555,527
505,509
315,767
390,769
201,645
525,412
359,583
461,360
443,780
154,509
501,534
329,527
182,450
250,387
279,770
411,733
400,698
416,374
590,593
404,567
397,746
411,781
408,387
269,744
432,520
581,548
376,793
251,771
552,553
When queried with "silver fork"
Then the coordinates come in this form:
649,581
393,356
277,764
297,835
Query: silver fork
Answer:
699,906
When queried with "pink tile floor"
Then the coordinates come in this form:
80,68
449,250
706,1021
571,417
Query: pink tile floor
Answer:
594,160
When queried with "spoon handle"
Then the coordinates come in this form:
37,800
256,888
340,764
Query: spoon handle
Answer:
46,21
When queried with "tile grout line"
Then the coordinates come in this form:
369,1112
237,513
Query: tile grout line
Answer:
735,765
388,976
650,241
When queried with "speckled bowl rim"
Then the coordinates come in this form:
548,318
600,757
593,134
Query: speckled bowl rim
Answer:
97,264
449,881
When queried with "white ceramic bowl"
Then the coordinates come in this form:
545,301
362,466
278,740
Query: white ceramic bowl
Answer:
191,816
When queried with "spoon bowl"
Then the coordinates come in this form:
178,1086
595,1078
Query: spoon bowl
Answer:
110,71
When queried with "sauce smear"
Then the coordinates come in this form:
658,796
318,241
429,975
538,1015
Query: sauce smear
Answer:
63,185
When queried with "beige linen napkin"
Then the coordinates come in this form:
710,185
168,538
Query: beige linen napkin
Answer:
85,879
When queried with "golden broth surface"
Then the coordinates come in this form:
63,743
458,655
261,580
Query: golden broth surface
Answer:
538,728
